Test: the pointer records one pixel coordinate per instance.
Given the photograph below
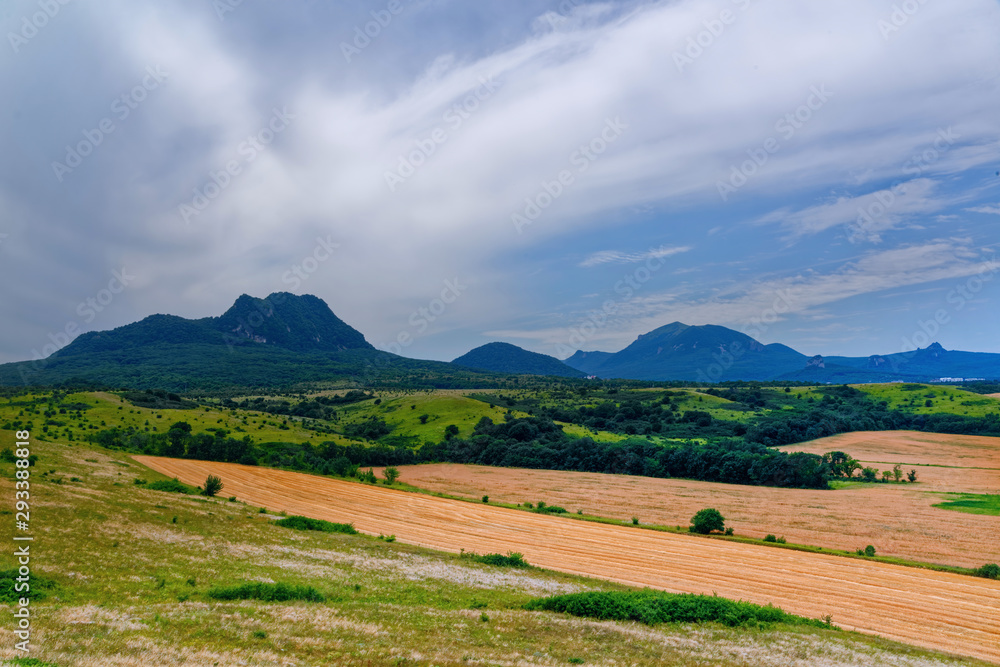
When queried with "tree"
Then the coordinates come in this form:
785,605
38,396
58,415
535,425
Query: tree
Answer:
897,472
450,431
212,486
423,418
391,474
912,475
707,520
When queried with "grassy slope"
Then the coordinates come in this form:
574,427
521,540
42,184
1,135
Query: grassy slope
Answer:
132,587
944,399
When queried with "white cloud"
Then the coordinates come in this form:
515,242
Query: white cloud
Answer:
992,210
617,257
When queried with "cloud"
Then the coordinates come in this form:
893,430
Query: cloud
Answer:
992,210
616,257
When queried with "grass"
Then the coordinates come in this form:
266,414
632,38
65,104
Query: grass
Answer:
41,587
656,607
170,486
266,592
305,523
973,503
912,399
388,603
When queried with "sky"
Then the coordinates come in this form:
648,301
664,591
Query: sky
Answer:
557,175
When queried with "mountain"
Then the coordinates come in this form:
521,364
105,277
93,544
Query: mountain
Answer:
587,362
279,341
678,351
507,358
929,363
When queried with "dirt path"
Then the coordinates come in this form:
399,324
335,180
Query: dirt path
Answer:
935,610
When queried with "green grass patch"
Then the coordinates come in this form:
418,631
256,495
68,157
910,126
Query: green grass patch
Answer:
170,486
305,523
27,662
40,587
656,607
510,559
973,503
267,592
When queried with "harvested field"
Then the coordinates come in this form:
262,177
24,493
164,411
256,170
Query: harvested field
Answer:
932,609
899,520
913,448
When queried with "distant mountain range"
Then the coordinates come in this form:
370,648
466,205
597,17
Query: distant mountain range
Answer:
507,358
717,354
286,340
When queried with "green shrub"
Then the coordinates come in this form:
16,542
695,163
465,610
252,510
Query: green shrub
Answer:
40,587
870,551
486,499
635,521
305,523
139,482
770,538
706,521
169,485
654,607
782,540
213,484
549,509
267,592
391,474
511,559
729,531
259,634
989,571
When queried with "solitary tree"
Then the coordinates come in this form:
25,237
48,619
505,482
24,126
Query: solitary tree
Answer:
450,431
212,486
912,475
391,474
707,520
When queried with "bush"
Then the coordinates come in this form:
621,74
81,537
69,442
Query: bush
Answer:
169,485
40,587
706,521
305,523
511,559
213,485
990,571
391,474
486,499
635,521
770,538
870,551
654,607
267,592
549,509
729,531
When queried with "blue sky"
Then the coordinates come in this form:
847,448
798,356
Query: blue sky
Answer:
568,175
